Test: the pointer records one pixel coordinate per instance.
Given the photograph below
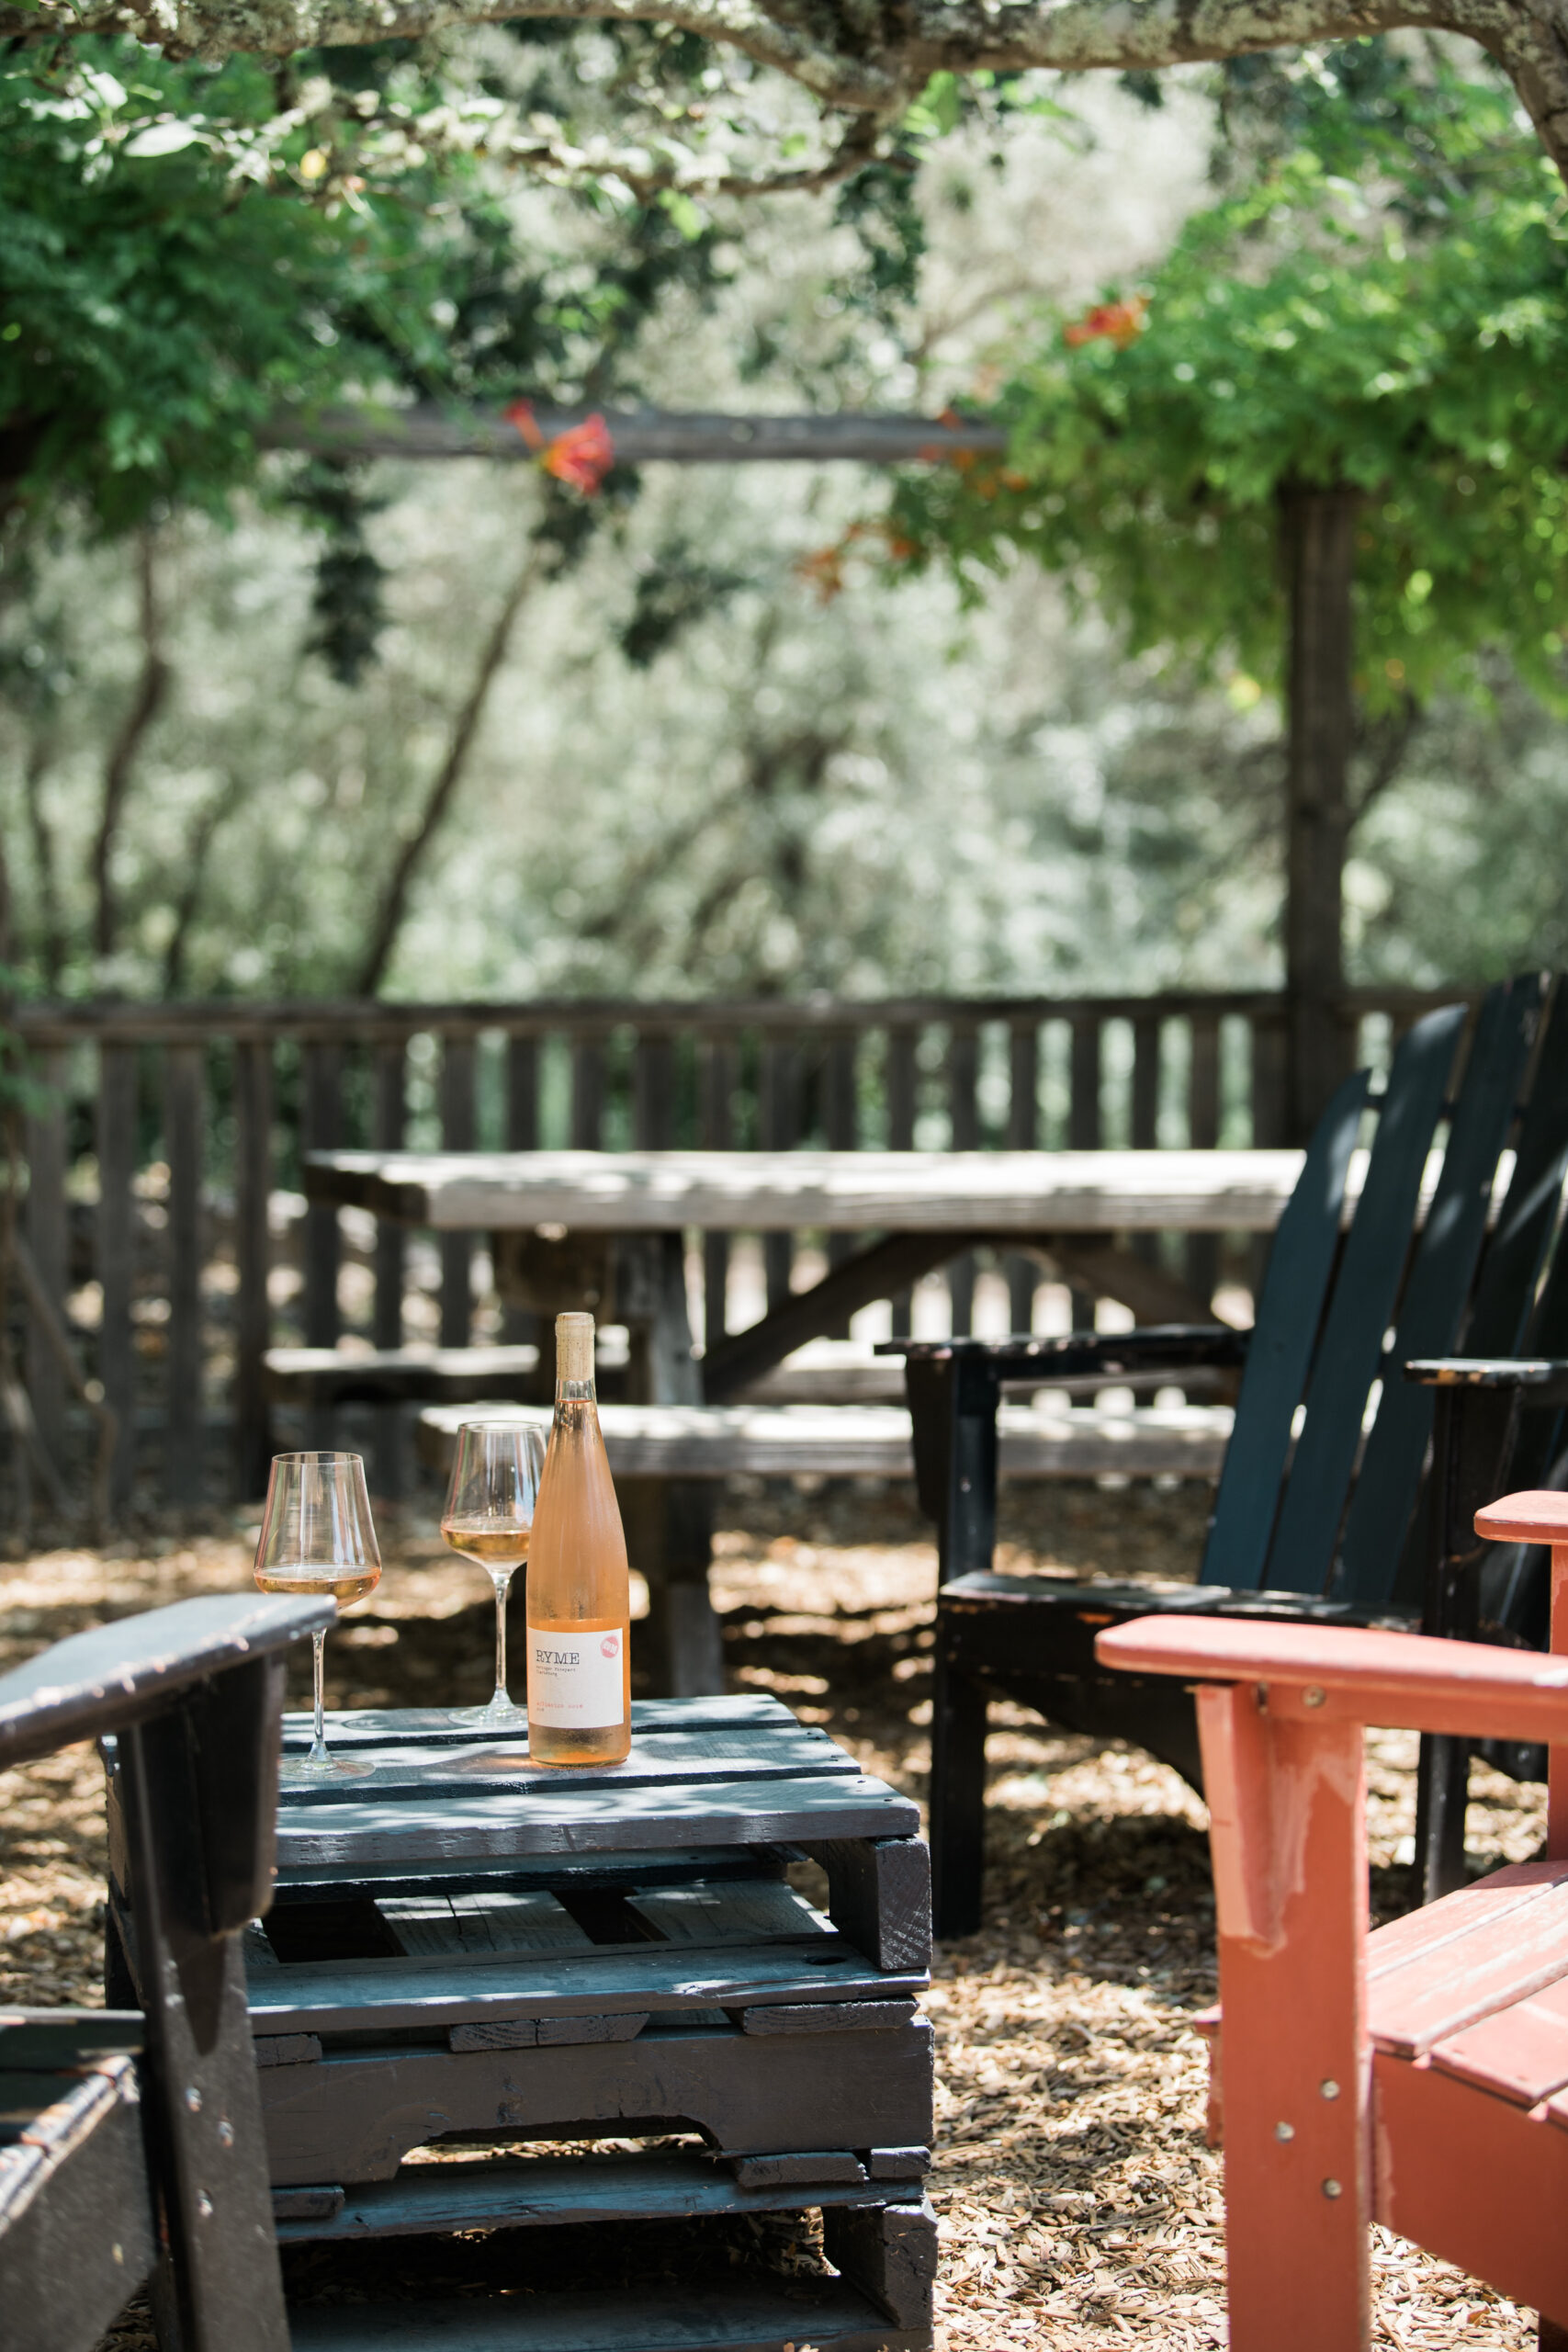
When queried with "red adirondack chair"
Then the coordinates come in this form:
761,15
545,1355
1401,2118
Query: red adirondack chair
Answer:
1416,2076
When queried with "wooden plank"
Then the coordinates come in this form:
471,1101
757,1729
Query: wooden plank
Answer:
964,1118
520,1919
429,1993
902,1044
744,2313
718,1076
375,1726
184,1131
1439,1992
824,2164
253,1251
320,1126
457,1135
914,1191
826,2016
891,2252
116,1254
1435,1296
1473,2180
1300,1266
1202,1249
1362,1307
880,1896
1505,1286
586,1106
48,1238
390,1115
411,1375
873,1440
77,2234
778,1124
677,1761
1518,2052
357,2115
653,1090
287,2048
729,1913
1488,1906
1024,1135
615,1819
541,2192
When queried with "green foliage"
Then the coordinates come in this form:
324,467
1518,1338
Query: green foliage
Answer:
1390,319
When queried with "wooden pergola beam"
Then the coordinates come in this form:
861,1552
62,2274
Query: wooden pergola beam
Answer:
641,436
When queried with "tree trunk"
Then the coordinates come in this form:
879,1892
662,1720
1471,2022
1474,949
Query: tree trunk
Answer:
1318,542
394,904
145,704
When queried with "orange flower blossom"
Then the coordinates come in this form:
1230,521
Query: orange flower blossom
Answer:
1117,323
580,456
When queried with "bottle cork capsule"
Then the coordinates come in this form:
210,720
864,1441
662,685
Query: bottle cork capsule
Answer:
574,1347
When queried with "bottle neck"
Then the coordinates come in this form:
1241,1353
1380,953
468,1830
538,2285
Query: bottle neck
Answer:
576,1392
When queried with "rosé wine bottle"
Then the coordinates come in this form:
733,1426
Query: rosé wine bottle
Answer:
580,1707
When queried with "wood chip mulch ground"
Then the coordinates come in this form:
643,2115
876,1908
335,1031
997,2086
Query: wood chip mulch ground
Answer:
1078,2204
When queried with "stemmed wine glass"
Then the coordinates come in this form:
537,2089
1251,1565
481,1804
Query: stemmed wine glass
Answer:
487,1518
317,1536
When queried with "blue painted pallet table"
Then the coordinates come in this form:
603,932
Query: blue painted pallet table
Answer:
465,1946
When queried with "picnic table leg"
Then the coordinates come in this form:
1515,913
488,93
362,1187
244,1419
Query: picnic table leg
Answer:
1288,1830
668,1521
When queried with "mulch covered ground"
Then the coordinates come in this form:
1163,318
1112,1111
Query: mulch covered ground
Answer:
1078,2204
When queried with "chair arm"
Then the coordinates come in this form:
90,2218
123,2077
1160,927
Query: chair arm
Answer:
1079,1355
1340,1674
1542,1379
118,1674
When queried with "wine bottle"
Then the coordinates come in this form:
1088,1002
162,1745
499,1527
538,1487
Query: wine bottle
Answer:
579,1708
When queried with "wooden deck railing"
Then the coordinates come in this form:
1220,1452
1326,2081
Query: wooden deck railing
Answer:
163,1163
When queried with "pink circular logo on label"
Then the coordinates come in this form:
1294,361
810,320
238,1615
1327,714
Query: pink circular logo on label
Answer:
611,1645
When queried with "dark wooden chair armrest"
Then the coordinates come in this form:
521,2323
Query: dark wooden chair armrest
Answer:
1081,1354
119,1674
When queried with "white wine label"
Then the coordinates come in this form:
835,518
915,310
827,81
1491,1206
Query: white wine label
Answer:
576,1681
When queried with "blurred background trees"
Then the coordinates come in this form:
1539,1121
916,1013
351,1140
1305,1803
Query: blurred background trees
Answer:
234,680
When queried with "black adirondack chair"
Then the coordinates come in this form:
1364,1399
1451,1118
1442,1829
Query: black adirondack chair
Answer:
130,2138
1315,1516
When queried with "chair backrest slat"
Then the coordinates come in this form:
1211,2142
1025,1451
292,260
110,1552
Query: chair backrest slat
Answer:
1300,1266
1362,1307
1435,1295
1505,1302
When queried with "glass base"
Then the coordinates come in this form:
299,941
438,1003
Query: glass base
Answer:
501,1714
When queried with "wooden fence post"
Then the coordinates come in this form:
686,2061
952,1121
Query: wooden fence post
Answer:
964,1110
185,1127
389,1115
1084,1123
840,1122
779,1122
902,1045
320,1130
116,1254
1202,1135
1023,1132
252,1188
717,1080
48,1238
457,1135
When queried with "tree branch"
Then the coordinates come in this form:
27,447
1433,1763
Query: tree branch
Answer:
145,704
394,902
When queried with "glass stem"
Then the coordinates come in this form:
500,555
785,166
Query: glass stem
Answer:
502,1579
319,1743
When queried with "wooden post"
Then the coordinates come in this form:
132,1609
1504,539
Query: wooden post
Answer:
116,1254
1143,1122
587,1094
320,1130
779,1122
48,1227
184,1125
1024,1134
963,1070
386,1315
253,1251
1202,1135
901,1047
519,1324
1084,1123
457,1135
1318,543
841,1123
1287,1800
717,1081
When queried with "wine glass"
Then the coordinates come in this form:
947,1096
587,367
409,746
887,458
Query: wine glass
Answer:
487,1518
317,1536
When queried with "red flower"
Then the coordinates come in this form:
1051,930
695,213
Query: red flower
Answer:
1117,323
581,456
521,415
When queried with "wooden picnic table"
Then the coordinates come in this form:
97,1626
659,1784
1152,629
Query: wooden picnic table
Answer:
605,1230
